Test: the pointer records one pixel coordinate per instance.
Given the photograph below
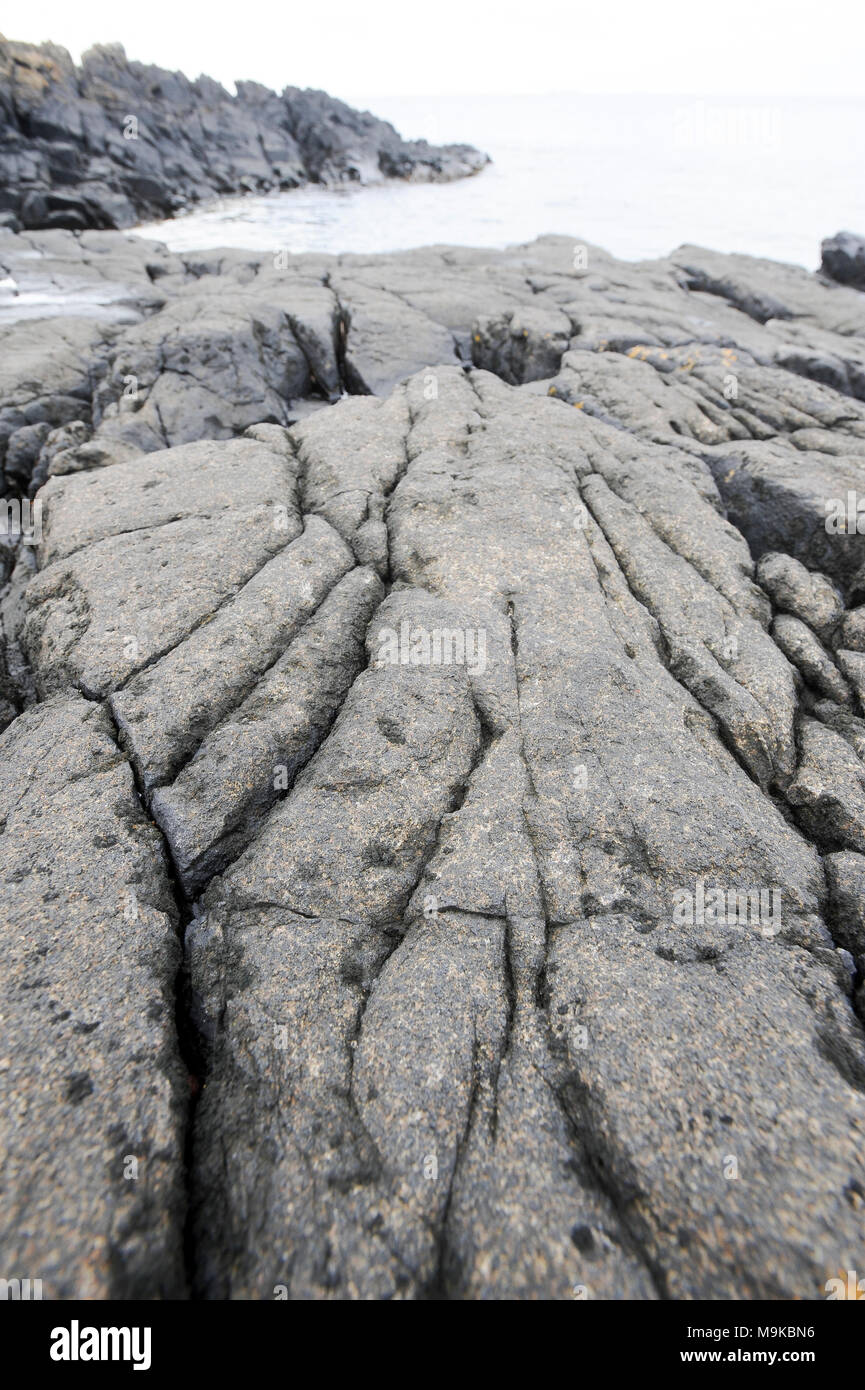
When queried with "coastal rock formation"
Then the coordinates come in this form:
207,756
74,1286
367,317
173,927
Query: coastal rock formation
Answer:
844,258
115,142
458,659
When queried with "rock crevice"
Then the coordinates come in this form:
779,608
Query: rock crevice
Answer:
494,742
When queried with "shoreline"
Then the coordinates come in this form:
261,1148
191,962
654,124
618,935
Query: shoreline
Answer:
96,145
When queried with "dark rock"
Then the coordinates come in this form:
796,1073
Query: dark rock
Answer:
114,142
853,666
844,258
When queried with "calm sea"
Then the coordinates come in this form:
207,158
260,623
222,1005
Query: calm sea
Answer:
636,175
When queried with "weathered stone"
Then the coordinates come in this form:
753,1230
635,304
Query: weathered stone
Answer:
853,666
109,608
414,964
800,646
102,144
828,790
811,597
844,722
496,810
845,875
241,769
852,632
164,712
92,1091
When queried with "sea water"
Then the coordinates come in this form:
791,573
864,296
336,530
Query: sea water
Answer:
636,175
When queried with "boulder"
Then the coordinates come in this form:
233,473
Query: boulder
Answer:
843,258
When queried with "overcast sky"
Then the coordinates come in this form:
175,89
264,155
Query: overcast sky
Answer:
445,46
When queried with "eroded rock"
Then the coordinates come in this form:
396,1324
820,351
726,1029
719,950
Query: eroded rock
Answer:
519,866
93,1091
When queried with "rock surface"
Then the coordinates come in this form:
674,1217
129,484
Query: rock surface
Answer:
93,1092
844,258
114,142
449,662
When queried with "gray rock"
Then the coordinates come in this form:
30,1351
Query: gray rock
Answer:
46,379
852,632
107,609
477,865
853,666
498,814
164,712
387,338
800,646
828,791
57,451
845,875
845,723
525,345
781,502
811,597
93,1091
220,358
218,800
350,488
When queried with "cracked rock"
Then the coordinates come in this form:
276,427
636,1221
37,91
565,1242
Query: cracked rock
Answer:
810,597
436,744
93,1091
800,646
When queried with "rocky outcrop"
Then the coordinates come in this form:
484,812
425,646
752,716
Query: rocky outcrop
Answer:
485,747
844,258
115,142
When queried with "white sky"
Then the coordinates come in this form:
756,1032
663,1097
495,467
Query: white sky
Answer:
454,46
